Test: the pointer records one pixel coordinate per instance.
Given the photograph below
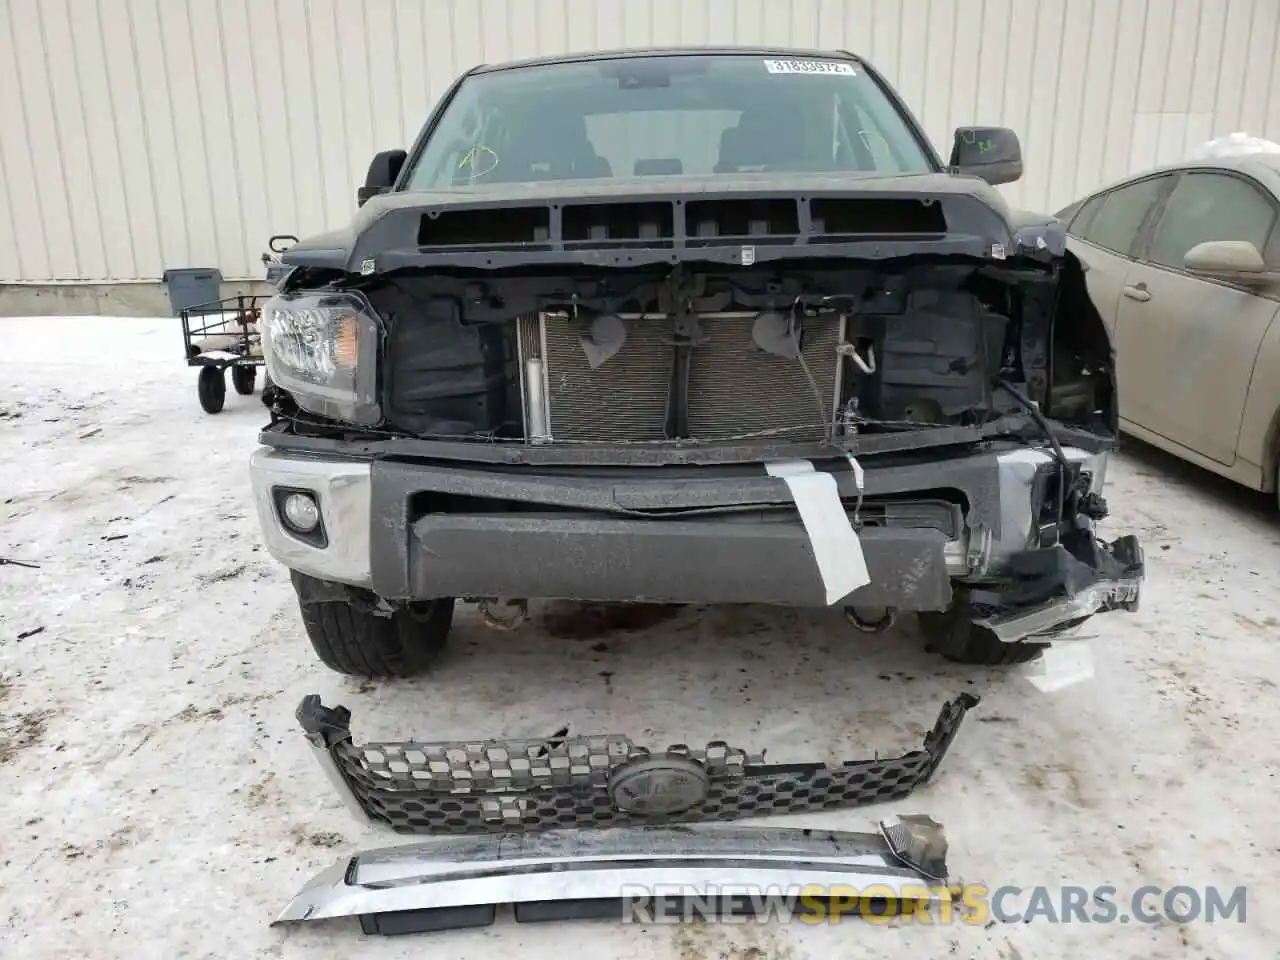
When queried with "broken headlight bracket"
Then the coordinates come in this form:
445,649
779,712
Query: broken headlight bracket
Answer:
506,786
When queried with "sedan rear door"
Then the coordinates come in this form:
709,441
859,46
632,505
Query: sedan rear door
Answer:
1104,235
1190,343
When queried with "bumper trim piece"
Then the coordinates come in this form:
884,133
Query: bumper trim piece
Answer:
619,873
1045,619
342,489
1062,585
518,786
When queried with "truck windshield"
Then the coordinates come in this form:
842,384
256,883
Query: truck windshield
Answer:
687,115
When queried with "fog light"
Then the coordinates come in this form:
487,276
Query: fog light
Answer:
301,512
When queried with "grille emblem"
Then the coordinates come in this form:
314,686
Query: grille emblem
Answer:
658,786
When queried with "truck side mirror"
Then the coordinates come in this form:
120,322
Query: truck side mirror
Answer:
992,154
383,170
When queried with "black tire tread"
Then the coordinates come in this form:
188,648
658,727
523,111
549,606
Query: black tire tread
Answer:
244,379
211,388
351,641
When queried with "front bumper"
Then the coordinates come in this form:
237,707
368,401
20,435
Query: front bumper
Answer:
506,786
416,531
586,538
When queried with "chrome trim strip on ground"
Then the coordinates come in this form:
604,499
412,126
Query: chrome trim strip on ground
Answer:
614,865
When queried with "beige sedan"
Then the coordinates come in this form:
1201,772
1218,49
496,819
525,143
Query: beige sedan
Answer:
1183,262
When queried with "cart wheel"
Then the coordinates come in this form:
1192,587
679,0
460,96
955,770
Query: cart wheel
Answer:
242,378
212,388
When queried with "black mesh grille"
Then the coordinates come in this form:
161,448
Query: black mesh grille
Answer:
521,785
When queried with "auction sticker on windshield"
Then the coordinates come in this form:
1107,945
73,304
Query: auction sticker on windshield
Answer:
808,66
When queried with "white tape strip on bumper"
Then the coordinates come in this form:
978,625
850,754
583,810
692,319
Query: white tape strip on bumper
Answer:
836,548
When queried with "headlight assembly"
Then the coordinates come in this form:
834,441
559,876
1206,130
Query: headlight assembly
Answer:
323,349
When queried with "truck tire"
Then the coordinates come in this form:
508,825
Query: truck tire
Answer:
359,643
953,635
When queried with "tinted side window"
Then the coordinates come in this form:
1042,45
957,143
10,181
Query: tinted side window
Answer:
1211,206
1084,215
1121,215
1069,211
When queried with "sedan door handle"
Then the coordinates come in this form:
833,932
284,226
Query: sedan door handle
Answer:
1138,293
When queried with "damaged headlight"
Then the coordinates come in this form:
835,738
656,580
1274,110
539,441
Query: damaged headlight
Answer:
323,349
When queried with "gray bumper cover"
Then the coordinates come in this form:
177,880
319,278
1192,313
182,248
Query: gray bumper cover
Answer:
504,786
619,873
644,537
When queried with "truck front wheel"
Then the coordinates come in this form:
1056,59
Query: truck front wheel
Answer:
952,634
350,638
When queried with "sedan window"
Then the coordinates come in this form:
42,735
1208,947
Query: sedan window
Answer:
1211,206
1120,217
1083,215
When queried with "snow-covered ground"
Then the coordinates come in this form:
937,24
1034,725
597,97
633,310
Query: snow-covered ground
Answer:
158,801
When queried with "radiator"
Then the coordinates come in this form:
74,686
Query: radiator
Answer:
735,388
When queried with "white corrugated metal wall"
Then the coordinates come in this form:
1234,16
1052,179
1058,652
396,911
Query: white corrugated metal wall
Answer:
137,135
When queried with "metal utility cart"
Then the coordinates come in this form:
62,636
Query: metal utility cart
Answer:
223,333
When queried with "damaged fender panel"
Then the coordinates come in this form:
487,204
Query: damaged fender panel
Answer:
620,872
504,786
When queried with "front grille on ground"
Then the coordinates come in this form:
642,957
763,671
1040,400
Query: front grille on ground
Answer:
525,785
735,388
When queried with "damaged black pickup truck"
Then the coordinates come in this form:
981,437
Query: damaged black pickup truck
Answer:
689,326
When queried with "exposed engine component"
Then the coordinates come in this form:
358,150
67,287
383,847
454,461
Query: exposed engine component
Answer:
607,336
733,387
671,355
776,333
865,360
537,425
